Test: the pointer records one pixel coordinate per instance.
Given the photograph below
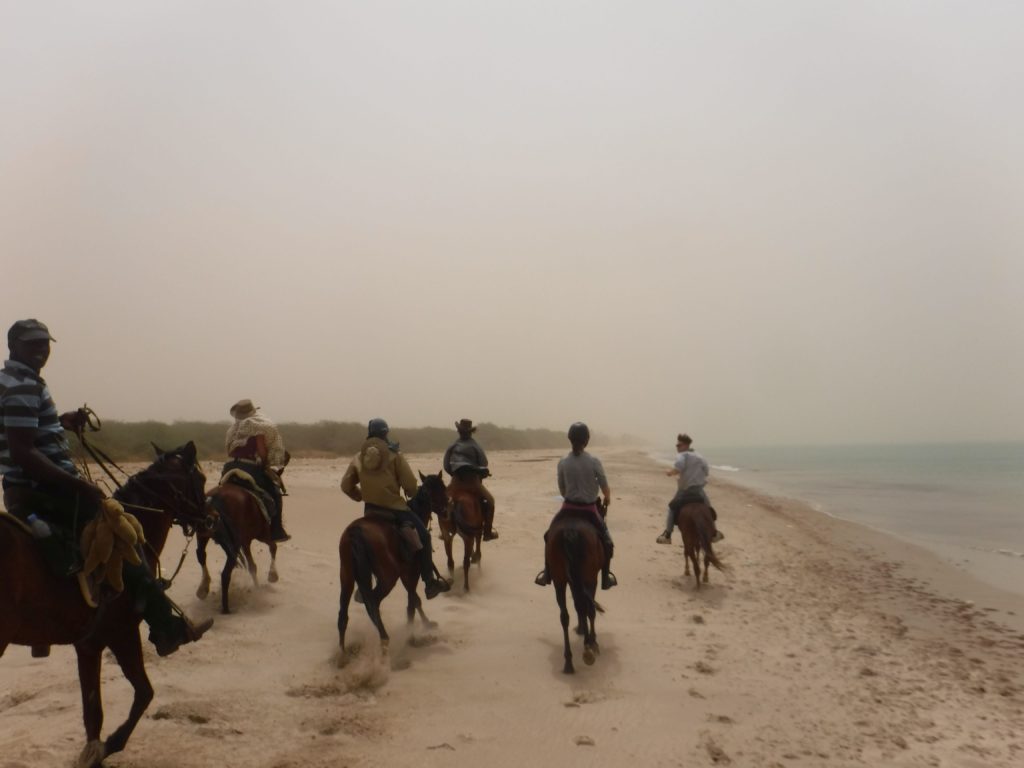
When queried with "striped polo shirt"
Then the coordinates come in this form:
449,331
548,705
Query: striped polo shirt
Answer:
25,402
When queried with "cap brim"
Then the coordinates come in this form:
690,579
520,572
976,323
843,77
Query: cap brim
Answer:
35,335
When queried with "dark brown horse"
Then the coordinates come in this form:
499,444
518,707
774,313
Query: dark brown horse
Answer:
698,529
575,556
464,517
240,522
370,551
41,609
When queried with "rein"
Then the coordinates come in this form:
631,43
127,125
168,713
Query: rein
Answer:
89,421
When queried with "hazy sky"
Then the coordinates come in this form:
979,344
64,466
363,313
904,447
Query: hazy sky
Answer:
796,221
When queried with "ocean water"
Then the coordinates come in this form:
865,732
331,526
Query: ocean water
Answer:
964,501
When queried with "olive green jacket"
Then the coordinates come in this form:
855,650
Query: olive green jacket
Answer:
377,475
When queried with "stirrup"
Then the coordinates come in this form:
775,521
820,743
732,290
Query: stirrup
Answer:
435,587
608,580
543,579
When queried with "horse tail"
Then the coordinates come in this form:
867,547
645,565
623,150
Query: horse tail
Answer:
362,562
704,532
573,549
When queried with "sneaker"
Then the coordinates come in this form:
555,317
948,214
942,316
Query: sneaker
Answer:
665,538
718,536
543,579
435,587
490,536
280,538
609,581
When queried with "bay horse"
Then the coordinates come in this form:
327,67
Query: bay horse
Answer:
370,550
574,556
42,609
698,529
240,522
465,517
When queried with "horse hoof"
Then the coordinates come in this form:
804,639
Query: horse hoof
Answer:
202,594
272,577
588,656
92,755
568,670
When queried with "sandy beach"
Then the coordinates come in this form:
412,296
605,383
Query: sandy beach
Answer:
824,644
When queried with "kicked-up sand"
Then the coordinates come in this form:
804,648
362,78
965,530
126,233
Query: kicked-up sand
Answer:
824,644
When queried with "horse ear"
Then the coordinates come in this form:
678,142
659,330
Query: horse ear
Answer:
422,476
159,451
190,451
439,473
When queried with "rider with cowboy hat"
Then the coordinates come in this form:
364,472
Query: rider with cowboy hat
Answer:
466,462
254,446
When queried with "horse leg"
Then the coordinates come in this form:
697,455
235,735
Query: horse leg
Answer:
272,574
693,555
204,583
467,558
706,564
372,602
225,577
476,549
449,536
92,707
128,652
410,580
563,614
347,588
250,561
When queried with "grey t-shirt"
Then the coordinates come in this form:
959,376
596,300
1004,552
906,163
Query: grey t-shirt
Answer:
581,478
693,470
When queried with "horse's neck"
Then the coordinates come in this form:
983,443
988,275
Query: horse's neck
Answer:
156,523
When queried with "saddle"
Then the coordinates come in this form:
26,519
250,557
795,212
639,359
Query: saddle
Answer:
247,483
408,538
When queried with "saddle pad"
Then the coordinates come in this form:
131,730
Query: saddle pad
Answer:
245,481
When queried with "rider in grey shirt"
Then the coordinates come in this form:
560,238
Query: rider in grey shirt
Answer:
580,478
692,471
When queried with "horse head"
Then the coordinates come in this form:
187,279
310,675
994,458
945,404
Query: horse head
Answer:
174,482
431,496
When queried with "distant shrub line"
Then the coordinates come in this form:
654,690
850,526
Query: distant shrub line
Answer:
131,440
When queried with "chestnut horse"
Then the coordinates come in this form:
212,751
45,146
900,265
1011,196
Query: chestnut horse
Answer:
698,529
464,517
574,556
240,523
370,550
41,609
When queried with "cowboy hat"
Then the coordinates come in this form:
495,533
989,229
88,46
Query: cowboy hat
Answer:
243,409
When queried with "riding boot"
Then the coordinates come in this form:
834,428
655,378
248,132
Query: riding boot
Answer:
489,533
277,531
432,585
169,628
608,579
